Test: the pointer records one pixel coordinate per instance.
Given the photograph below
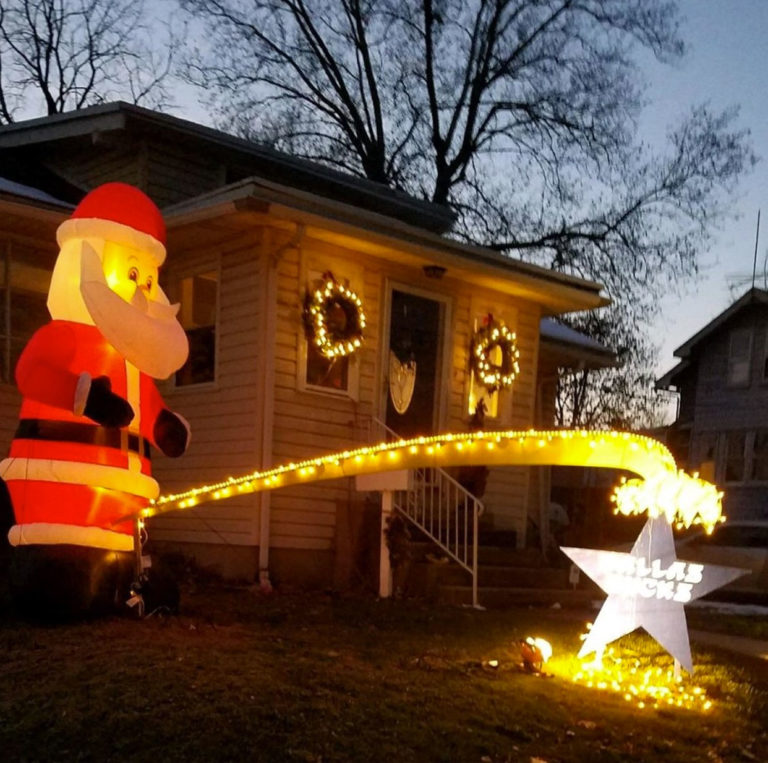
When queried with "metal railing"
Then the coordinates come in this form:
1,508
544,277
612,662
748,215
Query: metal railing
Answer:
445,511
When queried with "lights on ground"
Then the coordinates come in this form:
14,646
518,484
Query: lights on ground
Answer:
646,688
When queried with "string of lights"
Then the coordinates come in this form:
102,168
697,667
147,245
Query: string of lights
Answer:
688,500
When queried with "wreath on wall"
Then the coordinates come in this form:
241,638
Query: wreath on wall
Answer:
487,338
333,318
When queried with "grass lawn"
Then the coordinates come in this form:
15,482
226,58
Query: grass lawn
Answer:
240,676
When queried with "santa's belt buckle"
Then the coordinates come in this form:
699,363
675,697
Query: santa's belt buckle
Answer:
133,442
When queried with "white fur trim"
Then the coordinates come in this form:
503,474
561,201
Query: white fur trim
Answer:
108,230
76,473
81,393
52,534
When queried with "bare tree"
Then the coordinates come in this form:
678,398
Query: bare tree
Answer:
519,114
59,55
621,398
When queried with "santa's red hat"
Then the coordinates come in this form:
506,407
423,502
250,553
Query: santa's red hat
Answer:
121,213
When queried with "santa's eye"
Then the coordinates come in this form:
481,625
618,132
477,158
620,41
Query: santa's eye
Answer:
133,274
149,282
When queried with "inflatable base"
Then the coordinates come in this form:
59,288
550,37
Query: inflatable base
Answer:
63,582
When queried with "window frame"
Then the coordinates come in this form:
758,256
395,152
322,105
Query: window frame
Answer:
8,336
731,362
764,368
173,279
313,265
746,479
509,315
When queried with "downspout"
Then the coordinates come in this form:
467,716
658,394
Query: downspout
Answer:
269,301
545,477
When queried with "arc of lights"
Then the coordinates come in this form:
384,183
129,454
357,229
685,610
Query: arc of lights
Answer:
663,490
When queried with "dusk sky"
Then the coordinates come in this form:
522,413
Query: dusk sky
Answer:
726,65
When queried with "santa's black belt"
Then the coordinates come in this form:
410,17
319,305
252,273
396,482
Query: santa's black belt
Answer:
86,434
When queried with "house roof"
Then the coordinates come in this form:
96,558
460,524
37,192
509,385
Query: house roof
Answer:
571,348
11,190
753,296
264,162
379,235
670,378
339,208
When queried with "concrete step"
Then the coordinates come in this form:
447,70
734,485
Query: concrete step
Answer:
499,598
504,576
487,555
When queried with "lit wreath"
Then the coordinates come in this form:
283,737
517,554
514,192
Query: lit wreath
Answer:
333,341
490,335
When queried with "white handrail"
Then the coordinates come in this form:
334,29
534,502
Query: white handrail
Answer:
444,510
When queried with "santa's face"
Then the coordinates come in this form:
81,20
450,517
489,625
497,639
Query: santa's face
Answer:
122,298
127,269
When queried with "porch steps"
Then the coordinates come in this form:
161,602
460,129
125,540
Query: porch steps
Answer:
507,577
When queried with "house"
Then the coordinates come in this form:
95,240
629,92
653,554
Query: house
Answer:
251,232
721,428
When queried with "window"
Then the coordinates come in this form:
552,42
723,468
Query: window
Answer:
705,455
735,446
326,372
25,275
337,375
745,456
739,354
198,295
477,390
765,354
759,465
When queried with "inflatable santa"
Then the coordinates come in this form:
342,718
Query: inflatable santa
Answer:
80,458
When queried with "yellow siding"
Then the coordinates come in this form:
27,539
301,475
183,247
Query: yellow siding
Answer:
10,403
224,416
309,423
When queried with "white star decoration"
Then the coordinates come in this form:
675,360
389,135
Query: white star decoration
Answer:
648,587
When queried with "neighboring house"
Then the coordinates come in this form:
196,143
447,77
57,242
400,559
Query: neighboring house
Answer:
249,231
721,428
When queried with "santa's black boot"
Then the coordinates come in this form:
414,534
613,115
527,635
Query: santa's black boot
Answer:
60,582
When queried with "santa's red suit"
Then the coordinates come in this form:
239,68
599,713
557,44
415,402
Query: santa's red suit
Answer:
80,459
68,477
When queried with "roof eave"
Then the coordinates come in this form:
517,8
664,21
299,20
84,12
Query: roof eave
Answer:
557,293
117,115
667,381
753,296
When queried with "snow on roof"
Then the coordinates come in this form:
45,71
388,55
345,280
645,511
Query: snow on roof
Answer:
559,333
18,189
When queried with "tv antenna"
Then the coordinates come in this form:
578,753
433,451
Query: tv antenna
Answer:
739,281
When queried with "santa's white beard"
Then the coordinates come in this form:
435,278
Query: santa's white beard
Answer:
145,332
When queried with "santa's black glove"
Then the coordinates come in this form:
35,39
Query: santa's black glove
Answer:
171,433
105,407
